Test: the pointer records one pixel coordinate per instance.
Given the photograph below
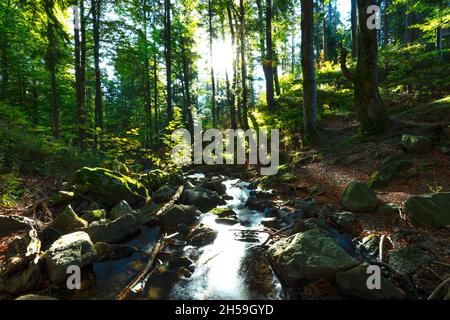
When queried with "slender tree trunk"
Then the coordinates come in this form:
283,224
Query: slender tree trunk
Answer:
83,68
187,86
213,81
309,80
243,65
268,62
324,31
370,109
168,56
147,85
78,80
51,65
96,13
276,80
354,22
407,36
231,92
155,93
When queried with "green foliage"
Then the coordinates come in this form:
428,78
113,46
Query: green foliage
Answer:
11,189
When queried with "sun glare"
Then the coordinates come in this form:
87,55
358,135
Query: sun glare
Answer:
223,58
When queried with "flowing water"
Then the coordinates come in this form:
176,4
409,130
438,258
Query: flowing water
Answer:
229,268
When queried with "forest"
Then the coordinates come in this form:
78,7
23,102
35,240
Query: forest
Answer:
94,204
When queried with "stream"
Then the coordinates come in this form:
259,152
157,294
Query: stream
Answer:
230,268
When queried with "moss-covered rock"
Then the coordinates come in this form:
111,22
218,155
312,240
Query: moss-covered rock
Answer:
109,186
94,215
429,210
310,255
416,144
74,249
121,209
154,179
359,197
390,169
114,231
409,259
223,212
68,221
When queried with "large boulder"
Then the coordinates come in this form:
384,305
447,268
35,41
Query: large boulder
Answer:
164,194
310,255
257,203
215,185
201,235
202,198
154,179
416,144
344,220
358,197
109,186
114,231
68,221
429,210
24,280
179,214
353,283
409,259
121,209
69,250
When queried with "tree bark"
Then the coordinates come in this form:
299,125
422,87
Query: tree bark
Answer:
213,81
4,57
96,13
243,65
439,43
168,56
370,109
268,61
231,92
147,85
386,28
78,84
354,22
309,80
187,86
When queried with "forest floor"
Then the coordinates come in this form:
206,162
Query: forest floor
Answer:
340,158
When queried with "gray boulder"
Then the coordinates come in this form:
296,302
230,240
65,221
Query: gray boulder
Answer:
310,255
28,279
201,235
179,214
343,219
68,221
429,210
358,197
409,259
202,198
353,283
121,209
114,231
71,249
164,194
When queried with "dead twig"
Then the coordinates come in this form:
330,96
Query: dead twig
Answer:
442,285
174,199
146,272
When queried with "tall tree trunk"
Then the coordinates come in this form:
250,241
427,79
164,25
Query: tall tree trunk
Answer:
231,92
78,80
268,61
155,93
407,36
51,58
243,65
147,94
83,67
354,22
324,31
370,109
168,56
96,13
309,79
276,79
187,87
213,81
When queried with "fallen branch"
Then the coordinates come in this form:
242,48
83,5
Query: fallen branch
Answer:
174,199
277,233
146,272
442,285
